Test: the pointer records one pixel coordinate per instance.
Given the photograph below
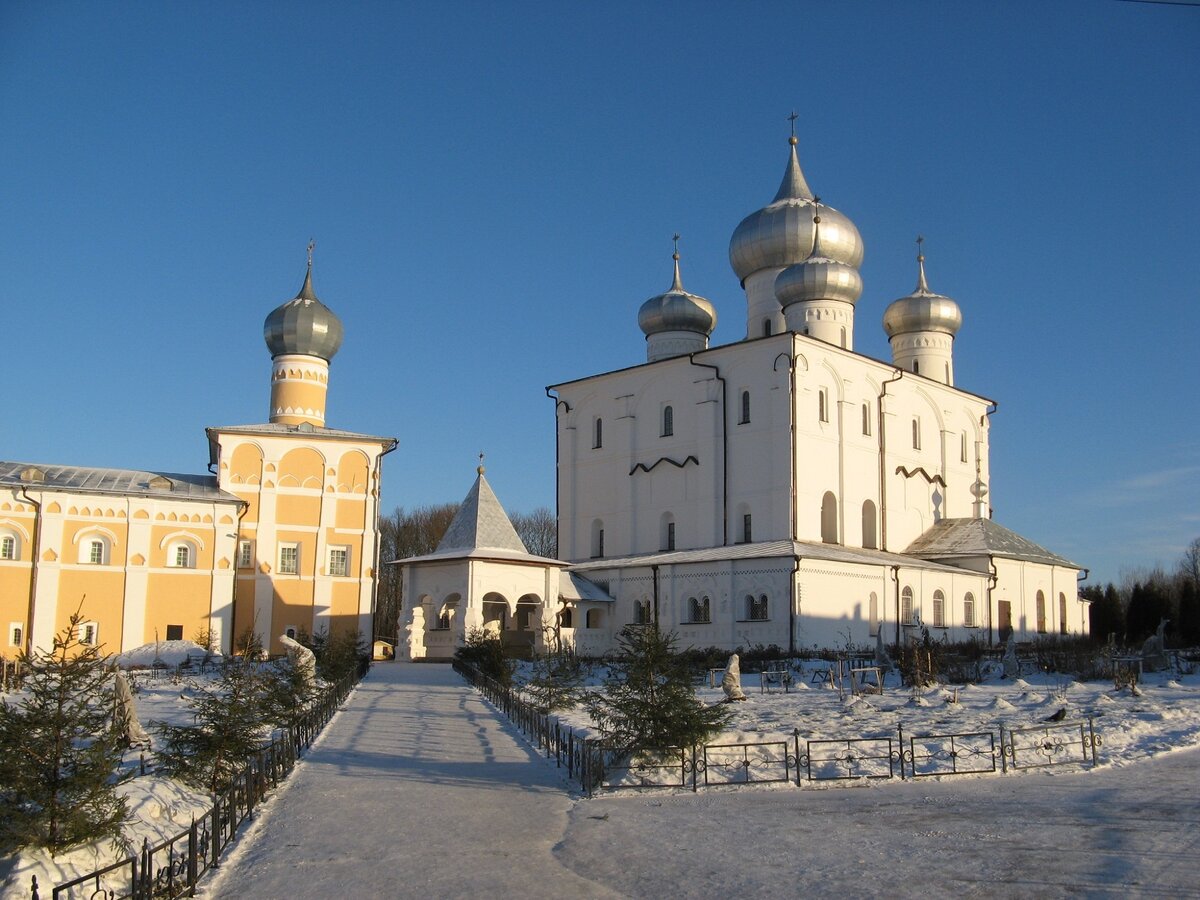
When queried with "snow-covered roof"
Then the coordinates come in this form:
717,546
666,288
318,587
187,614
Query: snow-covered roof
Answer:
961,538
765,550
270,429
574,587
85,479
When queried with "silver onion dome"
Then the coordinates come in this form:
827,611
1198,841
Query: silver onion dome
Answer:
922,310
303,325
677,310
819,277
781,233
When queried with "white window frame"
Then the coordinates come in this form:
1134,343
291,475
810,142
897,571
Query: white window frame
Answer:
968,610
907,605
89,555
344,549
294,568
10,547
245,558
188,559
89,634
939,609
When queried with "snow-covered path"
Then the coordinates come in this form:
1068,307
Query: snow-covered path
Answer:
416,789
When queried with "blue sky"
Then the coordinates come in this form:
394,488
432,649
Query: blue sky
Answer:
493,189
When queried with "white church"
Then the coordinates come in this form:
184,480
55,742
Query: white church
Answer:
781,490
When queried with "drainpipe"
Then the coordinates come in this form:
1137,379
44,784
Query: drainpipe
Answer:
654,580
987,414
896,579
791,358
993,577
244,508
792,606
34,557
883,519
724,448
375,553
557,401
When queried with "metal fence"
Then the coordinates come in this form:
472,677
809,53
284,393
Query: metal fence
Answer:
171,868
882,756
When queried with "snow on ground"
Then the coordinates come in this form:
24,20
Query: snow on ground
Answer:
165,653
419,752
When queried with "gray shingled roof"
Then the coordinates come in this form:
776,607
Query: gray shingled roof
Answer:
961,538
573,586
481,523
766,550
115,481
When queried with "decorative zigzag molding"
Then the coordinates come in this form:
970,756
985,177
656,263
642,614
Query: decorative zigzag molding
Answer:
920,470
666,459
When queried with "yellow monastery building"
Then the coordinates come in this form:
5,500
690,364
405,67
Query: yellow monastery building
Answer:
282,538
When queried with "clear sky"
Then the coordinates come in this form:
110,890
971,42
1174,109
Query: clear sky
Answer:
493,188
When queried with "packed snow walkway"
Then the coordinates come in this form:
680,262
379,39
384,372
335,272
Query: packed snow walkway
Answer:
416,789
419,789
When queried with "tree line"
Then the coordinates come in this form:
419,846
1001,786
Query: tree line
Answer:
417,531
1130,612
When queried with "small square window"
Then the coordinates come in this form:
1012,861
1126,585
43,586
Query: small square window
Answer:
88,633
174,632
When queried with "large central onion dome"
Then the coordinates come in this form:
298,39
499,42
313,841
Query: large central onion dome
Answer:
676,322
781,234
922,310
303,326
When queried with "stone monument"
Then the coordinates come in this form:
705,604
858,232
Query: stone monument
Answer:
731,682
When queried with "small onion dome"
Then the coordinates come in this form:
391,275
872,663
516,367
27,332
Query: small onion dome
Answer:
781,234
677,310
922,310
303,326
818,277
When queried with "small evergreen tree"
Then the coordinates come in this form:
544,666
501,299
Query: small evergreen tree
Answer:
231,722
1189,613
650,704
485,652
557,680
60,747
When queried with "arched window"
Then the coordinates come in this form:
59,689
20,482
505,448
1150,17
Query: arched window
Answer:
756,608
843,336
939,609
446,614
866,416
1062,613
747,528
906,606
668,421
829,518
822,405
94,550
16,635
969,610
565,619
641,612
868,525
916,433
962,454
594,618
1041,612
597,538
181,555
873,614
744,416
698,611
598,433
948,381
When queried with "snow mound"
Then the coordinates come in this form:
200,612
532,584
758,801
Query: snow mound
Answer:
917,701
1021,684
167,653
1000,703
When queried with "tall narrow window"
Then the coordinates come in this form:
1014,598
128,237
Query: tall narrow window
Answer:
8,547
962,453
939,609
245,554
916,433
1041,612
906,606
969,610
747,528
766,327
289,559
866,414
670,536
668,421
873,613
698,610
745,410
598,434
1062,613
916,367
597,538
822,405
829,518
89,632
16,635
641,612
868,525
843,337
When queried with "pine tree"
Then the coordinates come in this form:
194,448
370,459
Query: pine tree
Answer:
556,681
60,748
649,704
232,718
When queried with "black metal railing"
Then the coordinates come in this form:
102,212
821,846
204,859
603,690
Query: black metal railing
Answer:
171,868
597,766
